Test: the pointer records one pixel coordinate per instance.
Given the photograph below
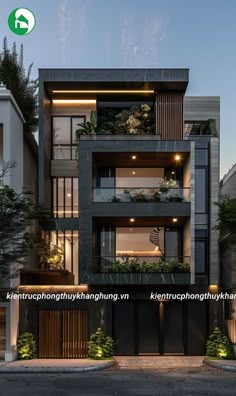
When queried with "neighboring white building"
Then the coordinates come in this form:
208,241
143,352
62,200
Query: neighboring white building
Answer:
16,146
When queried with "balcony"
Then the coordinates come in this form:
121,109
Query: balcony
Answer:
133,194
141,270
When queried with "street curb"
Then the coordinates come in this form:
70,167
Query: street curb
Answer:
221,366
31,370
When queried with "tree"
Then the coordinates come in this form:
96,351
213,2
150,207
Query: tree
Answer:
16,78
17,213
226,223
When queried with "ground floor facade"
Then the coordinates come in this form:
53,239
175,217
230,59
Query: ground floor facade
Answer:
139,326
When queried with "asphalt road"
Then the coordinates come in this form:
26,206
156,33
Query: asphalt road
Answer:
122,382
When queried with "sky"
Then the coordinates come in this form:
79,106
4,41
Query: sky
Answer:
195,34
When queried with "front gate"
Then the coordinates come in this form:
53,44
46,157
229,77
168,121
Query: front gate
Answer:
63,333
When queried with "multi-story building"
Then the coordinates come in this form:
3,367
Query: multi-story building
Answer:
228,258
133,207
19,148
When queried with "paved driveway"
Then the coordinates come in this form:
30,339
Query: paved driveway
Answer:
178,382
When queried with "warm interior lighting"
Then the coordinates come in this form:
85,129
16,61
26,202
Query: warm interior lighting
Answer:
213,289
69,195
132,220
53,288
75,91
134,157
133,173
175,220
74,101
177,157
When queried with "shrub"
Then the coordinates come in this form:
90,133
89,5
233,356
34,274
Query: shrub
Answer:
26,346
100,346
219,346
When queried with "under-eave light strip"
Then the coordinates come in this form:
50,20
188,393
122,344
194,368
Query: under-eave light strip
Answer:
103,91
74,101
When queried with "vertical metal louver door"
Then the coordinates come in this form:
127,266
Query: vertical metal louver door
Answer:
63,333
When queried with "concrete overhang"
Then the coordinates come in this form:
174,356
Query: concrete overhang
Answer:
149,80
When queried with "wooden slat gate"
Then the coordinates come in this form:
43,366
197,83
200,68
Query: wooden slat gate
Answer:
63,333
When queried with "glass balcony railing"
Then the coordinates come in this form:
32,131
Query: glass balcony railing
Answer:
141,264
162,194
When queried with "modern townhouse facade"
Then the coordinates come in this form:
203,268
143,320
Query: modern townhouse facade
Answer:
133,208
21,148
228,259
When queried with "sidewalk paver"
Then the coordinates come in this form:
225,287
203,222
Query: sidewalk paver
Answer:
55,365
227,365
158,362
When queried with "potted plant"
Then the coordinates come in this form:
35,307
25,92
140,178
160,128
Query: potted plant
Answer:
50,255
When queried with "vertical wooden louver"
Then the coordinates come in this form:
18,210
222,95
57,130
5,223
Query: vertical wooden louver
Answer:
63,333
170,115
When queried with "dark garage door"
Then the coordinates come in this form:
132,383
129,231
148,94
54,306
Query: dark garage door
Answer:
63,333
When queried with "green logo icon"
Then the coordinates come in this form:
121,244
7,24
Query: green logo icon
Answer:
21,21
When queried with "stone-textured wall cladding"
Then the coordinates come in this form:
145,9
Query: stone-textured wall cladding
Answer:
202,108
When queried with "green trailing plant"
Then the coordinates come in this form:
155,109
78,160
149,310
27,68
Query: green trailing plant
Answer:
210,128
26,346
219,346
100,346
134,265
16,78
226,222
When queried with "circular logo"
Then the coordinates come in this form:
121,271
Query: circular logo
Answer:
21,21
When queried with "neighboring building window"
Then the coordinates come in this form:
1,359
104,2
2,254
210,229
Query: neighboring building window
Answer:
201,190
69,241
65,197
64,136
200,256
194,128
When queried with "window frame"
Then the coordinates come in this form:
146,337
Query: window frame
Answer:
70,145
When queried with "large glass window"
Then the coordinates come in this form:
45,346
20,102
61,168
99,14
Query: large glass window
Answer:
64,136
200,190
69,241
140,241
65,197
200,256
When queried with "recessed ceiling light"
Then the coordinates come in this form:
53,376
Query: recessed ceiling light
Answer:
131,229
134,157
175,220
177,157
69,195
173,173
132,220
133,173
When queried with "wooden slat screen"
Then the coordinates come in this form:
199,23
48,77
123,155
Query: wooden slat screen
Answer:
63,333
2,332
170,115
231,327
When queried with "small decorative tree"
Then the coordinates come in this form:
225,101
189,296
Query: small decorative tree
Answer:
26,346
100,346
50,255
219,346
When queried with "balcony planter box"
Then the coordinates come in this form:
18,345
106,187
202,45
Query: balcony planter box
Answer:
144,278
46,277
